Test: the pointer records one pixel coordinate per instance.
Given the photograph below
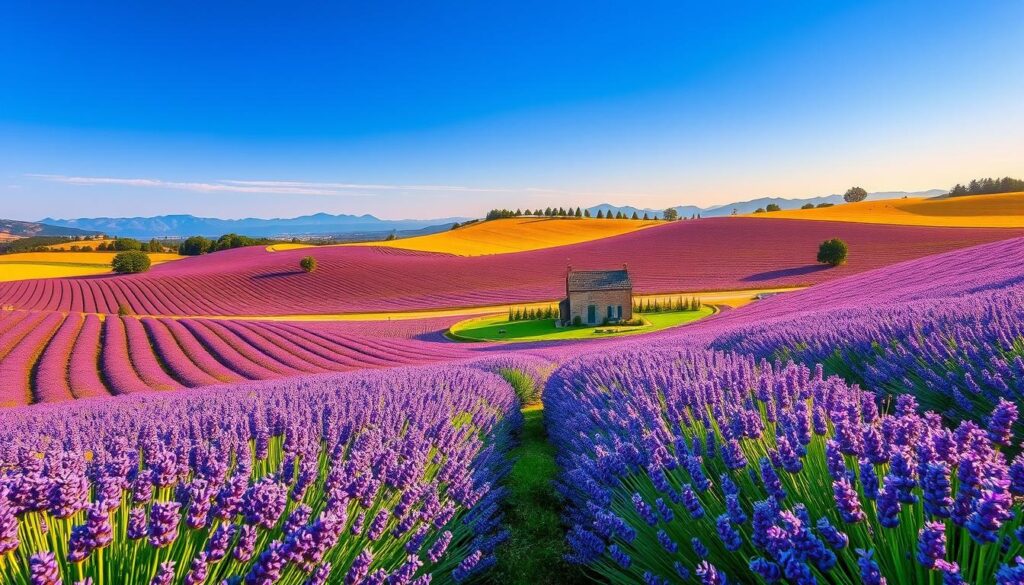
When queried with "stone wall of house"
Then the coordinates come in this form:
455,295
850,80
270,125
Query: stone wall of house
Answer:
602,299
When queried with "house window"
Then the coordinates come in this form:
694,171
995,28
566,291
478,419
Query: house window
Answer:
611,314
619,311
591,314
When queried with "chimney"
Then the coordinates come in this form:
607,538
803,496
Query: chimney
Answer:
625,266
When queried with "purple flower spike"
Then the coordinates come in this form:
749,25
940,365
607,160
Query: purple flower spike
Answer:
1000,423
847,501
931,543
165,575
359,569
43,569
870,574
709,574
163,523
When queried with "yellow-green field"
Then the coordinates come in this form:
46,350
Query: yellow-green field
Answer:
1000,210
58,264
499,328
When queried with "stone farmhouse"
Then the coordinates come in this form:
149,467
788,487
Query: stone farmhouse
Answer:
595,297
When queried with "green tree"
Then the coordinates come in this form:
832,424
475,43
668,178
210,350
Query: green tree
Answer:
855,194
579,212
635,216
807,206
670,214
833,252
600,214
586,213
125,244
308,264
195,246
772,207
759,210
130,262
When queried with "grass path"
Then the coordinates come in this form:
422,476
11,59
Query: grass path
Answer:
533,554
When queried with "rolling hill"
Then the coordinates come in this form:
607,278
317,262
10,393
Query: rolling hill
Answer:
704,255
502,236
1004,210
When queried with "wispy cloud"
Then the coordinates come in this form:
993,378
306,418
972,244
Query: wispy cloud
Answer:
317,188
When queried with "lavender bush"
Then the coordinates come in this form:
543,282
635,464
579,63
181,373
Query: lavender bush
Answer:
378,477
712,466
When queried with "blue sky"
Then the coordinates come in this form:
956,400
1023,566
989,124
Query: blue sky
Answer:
428,109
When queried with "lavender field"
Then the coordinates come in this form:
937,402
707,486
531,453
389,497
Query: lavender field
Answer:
865,430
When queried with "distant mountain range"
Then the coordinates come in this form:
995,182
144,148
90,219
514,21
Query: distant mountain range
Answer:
320,224
742,207
11,229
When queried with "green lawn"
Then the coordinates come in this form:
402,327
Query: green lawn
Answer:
489,328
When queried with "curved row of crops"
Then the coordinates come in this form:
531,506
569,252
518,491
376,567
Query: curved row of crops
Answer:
685,462
377,477
712,254
51,357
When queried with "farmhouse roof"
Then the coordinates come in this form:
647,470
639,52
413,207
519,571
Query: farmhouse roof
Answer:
584,280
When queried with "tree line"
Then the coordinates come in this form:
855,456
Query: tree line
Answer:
669,214
987,186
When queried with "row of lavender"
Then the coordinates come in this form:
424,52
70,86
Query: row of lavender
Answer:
386,476
958,356
713,466
52,357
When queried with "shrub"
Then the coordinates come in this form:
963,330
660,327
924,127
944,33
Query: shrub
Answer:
807,206
130,262
126,244
821,205
855,194
772,207
195,246
759,210
832,252
124,309
308,264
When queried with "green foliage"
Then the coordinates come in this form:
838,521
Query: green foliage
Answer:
988,186
600,214
855,194
130,262
534,553
126,244
759,210
670,214
822,205
833,252
772,207
123,309
194,246
807,206
308,264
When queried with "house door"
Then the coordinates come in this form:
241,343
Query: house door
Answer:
591,314
619,311
611,312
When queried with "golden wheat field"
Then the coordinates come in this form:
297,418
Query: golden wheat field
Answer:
1001,210
80,244
57,264
520,234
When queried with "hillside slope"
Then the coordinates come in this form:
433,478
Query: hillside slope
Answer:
703,255
1004,210
520,234
12,229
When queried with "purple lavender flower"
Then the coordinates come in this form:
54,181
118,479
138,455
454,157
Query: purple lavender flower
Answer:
767,570
870,574
43,569
847,501
471,564
1000,423
937,493
693,505
138,525
832,536
730,537
199,570
8,524
163,523
992,509
379,525
264,502
268,567
360,568
165,575
709,574
320,575
931,543
698,547
246,545
220,540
